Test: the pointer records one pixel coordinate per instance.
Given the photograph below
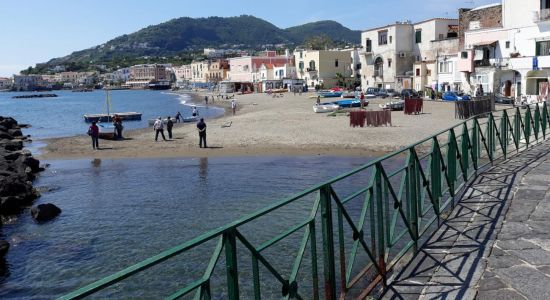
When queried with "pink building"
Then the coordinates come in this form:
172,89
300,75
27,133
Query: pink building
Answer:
245,69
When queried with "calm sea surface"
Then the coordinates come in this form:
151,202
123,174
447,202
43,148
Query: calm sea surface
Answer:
119,212
63,116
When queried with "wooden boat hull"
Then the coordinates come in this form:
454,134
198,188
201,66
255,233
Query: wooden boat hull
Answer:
125,116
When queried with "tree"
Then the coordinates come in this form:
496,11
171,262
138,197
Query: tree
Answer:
319,42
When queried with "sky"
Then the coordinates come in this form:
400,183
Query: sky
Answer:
35,31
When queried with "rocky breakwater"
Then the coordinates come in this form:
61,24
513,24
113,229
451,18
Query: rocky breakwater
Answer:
17,170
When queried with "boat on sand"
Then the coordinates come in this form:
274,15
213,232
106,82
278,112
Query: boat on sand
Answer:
325,107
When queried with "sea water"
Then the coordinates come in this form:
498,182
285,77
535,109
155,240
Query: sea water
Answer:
119,212
63,115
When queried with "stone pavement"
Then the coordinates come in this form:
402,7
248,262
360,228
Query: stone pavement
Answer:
495,244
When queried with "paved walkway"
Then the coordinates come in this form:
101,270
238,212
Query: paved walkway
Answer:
496,242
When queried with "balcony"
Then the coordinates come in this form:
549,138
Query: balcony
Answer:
541,16
311,70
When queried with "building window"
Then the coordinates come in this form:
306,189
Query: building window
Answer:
544,4
391,39
336,63
311,66
369,45
428,72
464,54
445,67
389,63
417,72
301,65
301,54
474,25
543,48
483,80
383,37
418,36
507,44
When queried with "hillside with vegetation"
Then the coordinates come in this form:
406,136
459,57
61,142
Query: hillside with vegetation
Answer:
182,40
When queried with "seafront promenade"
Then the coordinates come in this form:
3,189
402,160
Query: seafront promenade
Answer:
496,242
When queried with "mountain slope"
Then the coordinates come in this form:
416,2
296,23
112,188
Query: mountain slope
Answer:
332,29
184,35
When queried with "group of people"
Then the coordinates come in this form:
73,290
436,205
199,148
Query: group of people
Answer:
158,126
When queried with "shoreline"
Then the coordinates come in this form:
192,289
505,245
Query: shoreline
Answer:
265,126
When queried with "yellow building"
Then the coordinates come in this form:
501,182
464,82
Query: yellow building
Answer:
323,67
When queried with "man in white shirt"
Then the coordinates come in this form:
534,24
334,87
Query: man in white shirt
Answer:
159,128
233,106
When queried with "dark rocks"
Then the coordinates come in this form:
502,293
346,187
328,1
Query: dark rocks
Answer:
45,212
4,247
17,169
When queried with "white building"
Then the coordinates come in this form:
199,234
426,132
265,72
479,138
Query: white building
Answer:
5,83
512,59
395,55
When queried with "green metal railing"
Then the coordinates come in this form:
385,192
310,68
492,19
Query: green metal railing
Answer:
397,210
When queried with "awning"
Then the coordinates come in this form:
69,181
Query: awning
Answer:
484,43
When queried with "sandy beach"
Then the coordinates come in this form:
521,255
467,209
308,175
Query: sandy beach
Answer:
264,125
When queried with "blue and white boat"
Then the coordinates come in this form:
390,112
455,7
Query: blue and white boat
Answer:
350,103
330,94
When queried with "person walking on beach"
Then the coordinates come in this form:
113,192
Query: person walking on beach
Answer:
159,128
206,100
195,111
234,106
362,97
201,127
169,125
93,132
178,117
318,99
117,122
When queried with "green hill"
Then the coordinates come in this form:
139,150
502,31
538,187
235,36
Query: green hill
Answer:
183,36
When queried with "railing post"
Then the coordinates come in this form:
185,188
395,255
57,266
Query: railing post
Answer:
451,161
435,174
517,128
378,192
490,137
544,121
464,152
527,126
536,125
411,186
504,134
328,243
475,143
232,271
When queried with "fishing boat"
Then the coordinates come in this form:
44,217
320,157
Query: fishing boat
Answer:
160,85
108,117
106,131
350,103
325,107
349,95
394,105
330,94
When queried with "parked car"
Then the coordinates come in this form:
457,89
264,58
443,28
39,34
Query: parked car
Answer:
392,93
452,96
407,93
372,92
382,93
